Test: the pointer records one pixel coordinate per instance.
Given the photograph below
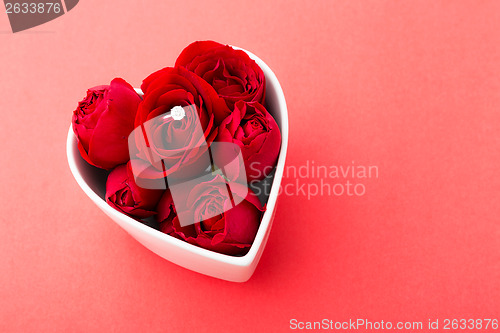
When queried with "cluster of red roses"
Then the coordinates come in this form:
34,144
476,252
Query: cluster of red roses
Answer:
149,151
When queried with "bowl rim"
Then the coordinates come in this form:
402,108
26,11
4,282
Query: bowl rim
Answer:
251,255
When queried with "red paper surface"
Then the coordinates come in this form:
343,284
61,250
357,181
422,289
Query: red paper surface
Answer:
411,87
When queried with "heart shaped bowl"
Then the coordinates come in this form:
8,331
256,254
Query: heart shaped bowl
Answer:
238,269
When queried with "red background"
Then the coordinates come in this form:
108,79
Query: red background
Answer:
412,87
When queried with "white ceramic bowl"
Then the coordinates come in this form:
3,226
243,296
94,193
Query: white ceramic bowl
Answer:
237,269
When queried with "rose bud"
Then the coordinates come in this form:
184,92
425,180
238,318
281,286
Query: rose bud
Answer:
175,124
207,215
255,131
231,72
123,194
103,121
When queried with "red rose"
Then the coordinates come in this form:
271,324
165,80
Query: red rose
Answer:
103,121
164,146
255,131
124,195
231,72
220,221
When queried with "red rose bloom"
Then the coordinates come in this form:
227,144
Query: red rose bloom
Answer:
231,72
124,195
103,121
218,224
255,131
164,146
